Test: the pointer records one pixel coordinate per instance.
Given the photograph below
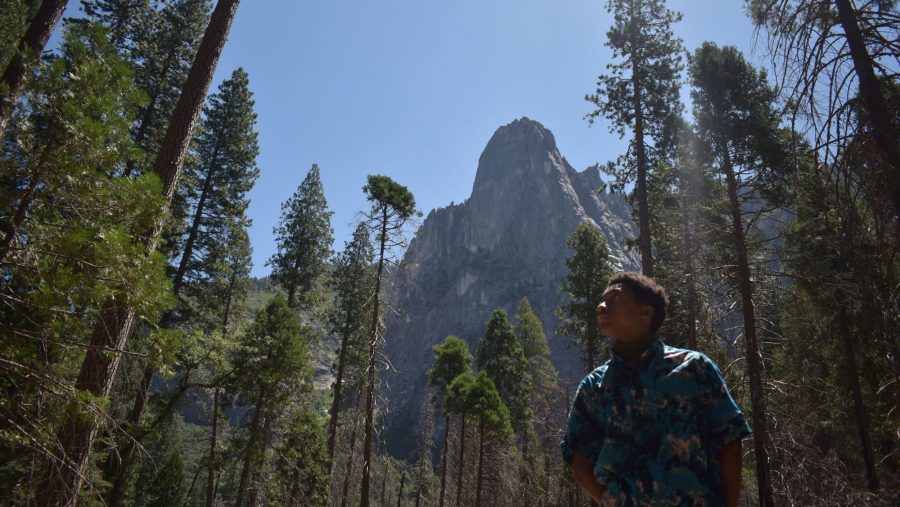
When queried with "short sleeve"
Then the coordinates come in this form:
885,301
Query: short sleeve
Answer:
583,431
725,421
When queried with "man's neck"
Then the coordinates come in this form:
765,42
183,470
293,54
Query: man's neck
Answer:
631,351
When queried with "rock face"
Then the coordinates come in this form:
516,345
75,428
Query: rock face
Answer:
505,242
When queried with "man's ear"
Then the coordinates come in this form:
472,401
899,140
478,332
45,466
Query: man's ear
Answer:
648,312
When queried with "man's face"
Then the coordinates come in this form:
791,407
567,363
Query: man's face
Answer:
622,318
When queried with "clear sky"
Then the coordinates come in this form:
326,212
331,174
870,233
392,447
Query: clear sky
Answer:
414,89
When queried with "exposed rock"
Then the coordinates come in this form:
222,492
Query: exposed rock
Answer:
505,242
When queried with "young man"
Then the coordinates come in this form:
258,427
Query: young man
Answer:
654,425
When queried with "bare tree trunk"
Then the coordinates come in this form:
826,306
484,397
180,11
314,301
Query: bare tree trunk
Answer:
462,458
76,434
754,360
883,129
370,386
478,481
688,248
29,50
336,401
348,473
211,466
444,460
860,410
400,494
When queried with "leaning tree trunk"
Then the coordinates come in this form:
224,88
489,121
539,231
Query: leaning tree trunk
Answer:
77,432
754,360
29,51
883,130
370,387
335,403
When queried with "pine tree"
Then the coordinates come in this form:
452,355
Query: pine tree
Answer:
217,179
451,359
589,270
271,366
353,276
738,123
76,433
72,236
501,357
392,207
303,238
640,94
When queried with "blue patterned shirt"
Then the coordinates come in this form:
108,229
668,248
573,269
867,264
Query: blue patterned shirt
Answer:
654,431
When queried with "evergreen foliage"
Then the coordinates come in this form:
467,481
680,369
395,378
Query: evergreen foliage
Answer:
501,357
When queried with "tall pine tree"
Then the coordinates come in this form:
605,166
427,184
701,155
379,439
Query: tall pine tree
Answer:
303,238
640,95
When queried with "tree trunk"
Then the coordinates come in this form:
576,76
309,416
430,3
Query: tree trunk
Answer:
526,476
400,494
335,403
444,460
76,434
258,468
211,476
884,131
462,458
178,280
29,51
754,360
478,480
117,494
370,387
641,155
249,454
19,217
148,112
688,248
348,473
860,409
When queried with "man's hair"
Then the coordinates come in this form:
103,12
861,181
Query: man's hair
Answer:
646,292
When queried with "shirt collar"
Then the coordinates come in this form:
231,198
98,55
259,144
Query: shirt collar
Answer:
653,352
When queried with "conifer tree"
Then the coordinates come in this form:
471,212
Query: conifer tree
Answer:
500,356
739,125
76,433
271,366
640,95
354,279
69,242
451,359
216,181
392,207
303,237
589,270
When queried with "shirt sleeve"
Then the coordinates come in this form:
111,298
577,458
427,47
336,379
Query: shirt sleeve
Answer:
583,431
725,421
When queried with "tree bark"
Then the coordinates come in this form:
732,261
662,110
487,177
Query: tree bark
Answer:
641,155
211,465
335,403
29,50
478,481
444,460
76,434
249,454
754,360
348,473
860,409
884,131
462,458
370,387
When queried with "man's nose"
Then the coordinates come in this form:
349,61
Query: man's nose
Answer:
601,308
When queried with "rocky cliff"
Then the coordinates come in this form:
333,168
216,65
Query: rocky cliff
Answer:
505,242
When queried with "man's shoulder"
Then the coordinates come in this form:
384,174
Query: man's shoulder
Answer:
595,377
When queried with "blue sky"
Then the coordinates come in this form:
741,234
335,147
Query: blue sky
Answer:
414,89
